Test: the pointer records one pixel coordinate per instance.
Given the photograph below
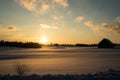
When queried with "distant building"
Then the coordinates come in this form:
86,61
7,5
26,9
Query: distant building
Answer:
105,43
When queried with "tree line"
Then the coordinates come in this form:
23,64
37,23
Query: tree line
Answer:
74,45
19,44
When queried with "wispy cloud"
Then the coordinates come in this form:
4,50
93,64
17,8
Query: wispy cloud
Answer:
63,3
41,6
48,26
79,19
113,28
44,8
90,24
56,17
28,4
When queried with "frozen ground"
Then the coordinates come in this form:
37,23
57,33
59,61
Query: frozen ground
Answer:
59,60
107,75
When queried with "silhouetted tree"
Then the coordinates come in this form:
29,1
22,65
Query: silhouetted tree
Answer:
19,44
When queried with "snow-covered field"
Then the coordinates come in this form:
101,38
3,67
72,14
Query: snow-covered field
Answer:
53,60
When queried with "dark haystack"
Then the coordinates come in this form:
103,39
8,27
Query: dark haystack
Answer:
105,43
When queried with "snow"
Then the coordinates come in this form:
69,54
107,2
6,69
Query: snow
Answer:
106,75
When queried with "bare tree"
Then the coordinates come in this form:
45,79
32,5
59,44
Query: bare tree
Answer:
21,69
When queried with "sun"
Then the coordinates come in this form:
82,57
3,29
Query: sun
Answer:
43,40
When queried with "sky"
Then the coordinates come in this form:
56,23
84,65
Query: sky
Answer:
60,21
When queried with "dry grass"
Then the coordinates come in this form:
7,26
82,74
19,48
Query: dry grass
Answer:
21,69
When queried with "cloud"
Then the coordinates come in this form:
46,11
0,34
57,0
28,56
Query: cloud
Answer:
63,3
11,27
28,4
48,26
89,24
79,19
118,21
37,6
112,28
56,17
44,8
41,6
8,28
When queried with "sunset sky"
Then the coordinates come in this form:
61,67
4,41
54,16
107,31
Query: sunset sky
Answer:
60,21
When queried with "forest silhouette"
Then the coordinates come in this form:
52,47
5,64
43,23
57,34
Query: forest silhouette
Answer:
19,44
